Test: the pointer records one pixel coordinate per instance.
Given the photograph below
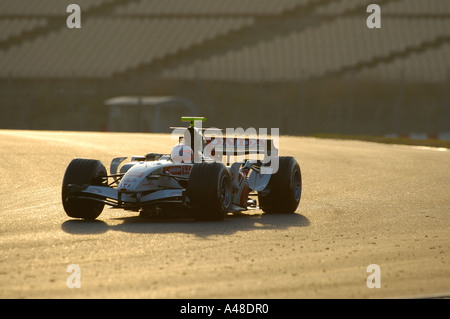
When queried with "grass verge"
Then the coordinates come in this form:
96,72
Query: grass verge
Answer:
387,140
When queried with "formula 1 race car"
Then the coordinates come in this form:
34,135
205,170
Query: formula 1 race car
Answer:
192,180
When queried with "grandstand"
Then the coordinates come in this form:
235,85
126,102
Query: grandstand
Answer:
305,66
105,46
348,46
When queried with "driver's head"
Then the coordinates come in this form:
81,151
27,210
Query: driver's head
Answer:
182,154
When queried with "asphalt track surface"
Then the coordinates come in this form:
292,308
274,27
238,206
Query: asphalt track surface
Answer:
362,203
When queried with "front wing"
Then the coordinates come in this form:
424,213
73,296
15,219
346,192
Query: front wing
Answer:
117,199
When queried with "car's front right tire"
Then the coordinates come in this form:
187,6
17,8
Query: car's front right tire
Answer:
82,172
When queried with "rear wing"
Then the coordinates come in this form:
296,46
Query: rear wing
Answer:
211,143
236,146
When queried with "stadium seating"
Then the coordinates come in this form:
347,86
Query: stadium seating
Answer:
44,8
432,66
339,45
233,58
210,7
11,27
119,36
104,46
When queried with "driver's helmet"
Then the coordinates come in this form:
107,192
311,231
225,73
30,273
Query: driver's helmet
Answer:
182,154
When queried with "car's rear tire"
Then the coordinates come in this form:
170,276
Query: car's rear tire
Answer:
209,191
81,172
282,194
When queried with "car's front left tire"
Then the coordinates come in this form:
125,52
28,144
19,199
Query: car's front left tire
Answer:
282,194
209,191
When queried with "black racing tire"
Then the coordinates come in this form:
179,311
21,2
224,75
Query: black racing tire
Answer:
282,194
83,172
209,191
